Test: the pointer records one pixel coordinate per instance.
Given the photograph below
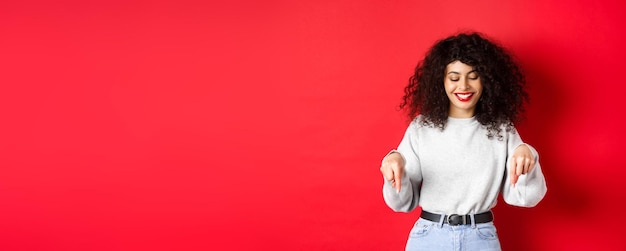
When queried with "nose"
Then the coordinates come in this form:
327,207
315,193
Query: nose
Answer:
464,84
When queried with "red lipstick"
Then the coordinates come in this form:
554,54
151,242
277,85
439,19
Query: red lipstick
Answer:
464,96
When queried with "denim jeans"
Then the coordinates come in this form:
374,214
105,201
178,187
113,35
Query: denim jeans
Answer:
430,235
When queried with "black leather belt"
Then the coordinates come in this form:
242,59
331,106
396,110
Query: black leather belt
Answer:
455,219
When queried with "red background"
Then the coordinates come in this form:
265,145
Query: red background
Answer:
181,125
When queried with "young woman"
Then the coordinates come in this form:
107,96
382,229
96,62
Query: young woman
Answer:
461,148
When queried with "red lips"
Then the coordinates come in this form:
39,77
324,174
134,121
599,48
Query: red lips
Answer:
464,96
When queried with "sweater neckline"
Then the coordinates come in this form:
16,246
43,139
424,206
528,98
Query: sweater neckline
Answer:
462,121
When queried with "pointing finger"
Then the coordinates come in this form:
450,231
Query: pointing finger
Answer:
512,173
398,178
514,178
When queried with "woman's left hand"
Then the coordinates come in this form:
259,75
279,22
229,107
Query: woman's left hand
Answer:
522,162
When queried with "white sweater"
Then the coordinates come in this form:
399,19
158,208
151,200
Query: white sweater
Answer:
460,171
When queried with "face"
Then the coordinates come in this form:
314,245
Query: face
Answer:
463,87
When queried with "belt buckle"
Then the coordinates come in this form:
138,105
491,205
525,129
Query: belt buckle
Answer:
455,222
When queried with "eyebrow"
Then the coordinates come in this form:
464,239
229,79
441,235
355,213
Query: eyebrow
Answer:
454,72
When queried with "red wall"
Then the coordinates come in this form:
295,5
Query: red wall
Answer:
180,125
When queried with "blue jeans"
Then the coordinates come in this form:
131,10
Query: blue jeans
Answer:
430,235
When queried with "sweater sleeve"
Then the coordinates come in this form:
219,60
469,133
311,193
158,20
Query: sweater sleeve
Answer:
531,187
408,198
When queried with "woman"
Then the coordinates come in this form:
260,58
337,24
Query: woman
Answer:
461,148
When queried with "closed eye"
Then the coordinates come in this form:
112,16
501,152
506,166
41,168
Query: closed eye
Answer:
472,75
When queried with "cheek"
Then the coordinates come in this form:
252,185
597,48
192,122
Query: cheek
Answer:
478,87
480,94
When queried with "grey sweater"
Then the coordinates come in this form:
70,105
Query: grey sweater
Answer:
460,171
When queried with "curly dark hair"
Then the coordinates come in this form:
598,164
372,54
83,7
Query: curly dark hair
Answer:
503,97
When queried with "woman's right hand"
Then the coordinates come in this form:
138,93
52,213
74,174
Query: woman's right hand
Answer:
392,169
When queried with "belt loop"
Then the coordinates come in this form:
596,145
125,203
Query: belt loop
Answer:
473,220
440,224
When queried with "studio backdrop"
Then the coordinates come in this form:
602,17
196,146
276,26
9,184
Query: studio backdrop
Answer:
260,125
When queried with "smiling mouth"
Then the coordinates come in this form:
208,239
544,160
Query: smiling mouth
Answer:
465,96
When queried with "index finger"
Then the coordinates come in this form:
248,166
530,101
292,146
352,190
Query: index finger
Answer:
512,173
397,175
